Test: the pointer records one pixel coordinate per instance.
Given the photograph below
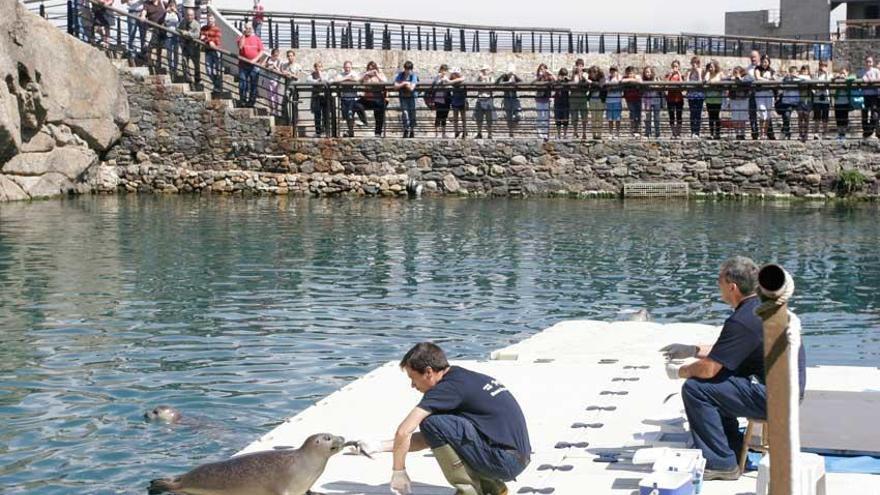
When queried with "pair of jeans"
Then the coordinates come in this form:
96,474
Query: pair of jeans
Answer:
695,106
319,107
786,110
712,407
135,27
635,115
408,114
652,117
490,461
714,110
543,118
870,115
191,57
378,108
248,77
215,71
676,108
172,43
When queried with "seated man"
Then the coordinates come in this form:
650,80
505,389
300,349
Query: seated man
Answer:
727,380
471,422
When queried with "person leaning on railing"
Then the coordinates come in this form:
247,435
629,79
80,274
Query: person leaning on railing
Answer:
821,102
405,83
103,17
738,100
440,100
290,104
578,99
349,95
633,97
695,97
319,101
484,109
273,66
172,43
714,98
675,99
458,103
374,98
843,101
134,27
596,102
510,101
190,30
543,76
613,102
250,48
154,11
652,101
871,110
210,35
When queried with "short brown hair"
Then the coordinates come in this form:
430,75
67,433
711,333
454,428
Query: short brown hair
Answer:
425,355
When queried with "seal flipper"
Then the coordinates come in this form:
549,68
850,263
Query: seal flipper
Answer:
163,485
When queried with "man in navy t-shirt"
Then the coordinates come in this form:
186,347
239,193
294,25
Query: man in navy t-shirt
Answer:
727,380
470,421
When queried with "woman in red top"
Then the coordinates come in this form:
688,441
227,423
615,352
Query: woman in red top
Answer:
675,99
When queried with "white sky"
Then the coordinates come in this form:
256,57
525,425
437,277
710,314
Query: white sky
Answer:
702,16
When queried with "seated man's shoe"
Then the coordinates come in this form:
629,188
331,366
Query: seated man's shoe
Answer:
722,475
493,487
462,478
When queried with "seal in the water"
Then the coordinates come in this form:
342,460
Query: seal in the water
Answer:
163,414
273,472
634,315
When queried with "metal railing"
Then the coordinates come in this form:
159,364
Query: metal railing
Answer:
497,110
858,29
295,30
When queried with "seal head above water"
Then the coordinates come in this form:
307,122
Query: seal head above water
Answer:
163,414
273,472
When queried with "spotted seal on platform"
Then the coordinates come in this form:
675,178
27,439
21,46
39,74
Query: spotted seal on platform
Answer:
273,472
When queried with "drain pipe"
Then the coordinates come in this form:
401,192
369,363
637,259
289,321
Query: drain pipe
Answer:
781,344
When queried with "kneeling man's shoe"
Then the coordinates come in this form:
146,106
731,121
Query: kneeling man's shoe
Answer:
457,473
493,487
725,475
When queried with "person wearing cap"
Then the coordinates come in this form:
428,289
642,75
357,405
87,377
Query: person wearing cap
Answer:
458,103
484,109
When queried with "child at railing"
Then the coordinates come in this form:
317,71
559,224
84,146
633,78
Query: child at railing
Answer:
806,103
273,64
349,97
578,98
510,102
596,102
821,103
172,43
842,102
633,98
614,102
374,99
714,98
738,102
695,97
405,83
458,103
542,101
561,104
651,104
675,99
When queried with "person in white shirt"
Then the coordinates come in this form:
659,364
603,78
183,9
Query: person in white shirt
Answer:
870,112
349,96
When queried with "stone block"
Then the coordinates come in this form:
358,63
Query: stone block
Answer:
68,161
10,191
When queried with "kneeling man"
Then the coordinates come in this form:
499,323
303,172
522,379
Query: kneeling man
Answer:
727,380
471,422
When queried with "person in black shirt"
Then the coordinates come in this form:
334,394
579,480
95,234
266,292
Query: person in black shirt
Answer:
727,380
470,421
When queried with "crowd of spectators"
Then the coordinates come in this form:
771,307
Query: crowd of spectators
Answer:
580,102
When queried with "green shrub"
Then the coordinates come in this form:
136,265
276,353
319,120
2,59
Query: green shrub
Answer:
850,181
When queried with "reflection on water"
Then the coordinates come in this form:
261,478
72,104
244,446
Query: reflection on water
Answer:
241,312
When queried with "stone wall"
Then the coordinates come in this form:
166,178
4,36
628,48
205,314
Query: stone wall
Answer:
853,52
180,142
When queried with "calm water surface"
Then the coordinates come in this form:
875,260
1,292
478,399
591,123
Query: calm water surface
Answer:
244,311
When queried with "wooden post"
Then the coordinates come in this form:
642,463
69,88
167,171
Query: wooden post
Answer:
771,279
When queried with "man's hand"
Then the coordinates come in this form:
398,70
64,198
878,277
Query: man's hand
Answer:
369,447
679,351
672,370
400,483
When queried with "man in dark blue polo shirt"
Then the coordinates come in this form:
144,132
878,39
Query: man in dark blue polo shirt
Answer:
470,421
727,380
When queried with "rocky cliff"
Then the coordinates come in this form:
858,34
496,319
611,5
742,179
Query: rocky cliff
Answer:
62,105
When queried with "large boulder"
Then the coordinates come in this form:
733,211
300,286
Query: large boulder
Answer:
70,161
49,77
10,191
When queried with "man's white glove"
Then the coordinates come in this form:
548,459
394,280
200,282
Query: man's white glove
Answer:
679,351
672,369
368,447
400,483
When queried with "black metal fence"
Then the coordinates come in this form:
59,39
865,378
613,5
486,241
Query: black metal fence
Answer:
294,30
647,110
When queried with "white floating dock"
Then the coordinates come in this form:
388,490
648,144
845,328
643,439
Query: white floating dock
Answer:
555,375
